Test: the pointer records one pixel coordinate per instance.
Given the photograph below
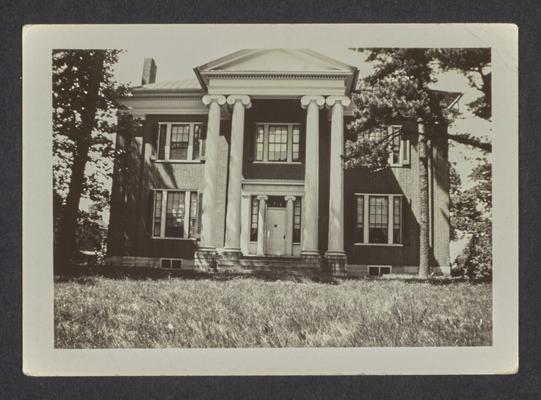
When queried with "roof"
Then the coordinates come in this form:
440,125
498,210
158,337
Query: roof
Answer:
284,62
180,85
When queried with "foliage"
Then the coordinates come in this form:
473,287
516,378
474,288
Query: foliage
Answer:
91,236
177,313
84,108
399,89
471,218
475,65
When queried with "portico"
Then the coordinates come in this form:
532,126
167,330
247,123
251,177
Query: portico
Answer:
276,217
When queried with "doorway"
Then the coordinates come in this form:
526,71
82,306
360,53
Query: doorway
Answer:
276,231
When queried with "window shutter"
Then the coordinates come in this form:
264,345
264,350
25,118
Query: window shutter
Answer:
155,144
203,144
149,223
199,212
405,151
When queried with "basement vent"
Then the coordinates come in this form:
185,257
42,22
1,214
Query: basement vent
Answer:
171,263
378,270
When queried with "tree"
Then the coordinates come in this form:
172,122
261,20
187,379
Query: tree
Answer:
471,212
399,89
84,94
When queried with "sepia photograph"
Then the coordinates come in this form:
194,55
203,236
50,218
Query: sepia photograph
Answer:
223,195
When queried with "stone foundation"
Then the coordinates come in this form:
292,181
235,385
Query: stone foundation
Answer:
206,259
335,264
229,260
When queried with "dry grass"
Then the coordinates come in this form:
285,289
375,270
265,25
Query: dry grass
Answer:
245,312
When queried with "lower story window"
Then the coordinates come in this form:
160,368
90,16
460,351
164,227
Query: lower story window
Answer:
378,271
171,263
378,219
176,214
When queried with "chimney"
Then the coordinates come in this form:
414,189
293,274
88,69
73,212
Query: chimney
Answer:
149,71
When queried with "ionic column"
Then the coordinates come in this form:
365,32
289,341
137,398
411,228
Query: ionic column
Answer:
233,214
261,225
289,224
335,250
214,102
312,104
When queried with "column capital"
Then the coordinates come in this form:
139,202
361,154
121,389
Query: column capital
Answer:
290,198
239,98
208,99
262,197
343,100
307,100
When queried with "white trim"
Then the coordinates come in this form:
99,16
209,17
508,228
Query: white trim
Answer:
379,244
277,162
274,182
179,161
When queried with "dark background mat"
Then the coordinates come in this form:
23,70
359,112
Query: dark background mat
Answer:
525,385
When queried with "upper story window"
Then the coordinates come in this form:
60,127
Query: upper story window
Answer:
180,141
378,219
277,143
399,146
176,214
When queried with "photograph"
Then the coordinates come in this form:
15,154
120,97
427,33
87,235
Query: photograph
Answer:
223,195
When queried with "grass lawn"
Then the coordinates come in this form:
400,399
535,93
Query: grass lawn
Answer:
99,312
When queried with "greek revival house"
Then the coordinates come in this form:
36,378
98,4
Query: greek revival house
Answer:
242,167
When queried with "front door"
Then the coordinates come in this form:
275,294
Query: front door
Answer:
276,231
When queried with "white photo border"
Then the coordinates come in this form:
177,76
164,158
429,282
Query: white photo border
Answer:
40,358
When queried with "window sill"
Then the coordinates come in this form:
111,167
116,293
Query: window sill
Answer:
172,238
179,161
380,244
278,162
399,165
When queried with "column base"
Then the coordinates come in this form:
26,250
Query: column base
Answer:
229,259
335,263
205,259
310,257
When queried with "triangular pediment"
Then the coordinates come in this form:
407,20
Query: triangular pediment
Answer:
276,60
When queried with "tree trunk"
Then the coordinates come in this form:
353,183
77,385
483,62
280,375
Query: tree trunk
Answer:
424,232
67,246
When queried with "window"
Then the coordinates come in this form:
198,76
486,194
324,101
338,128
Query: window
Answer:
277,143
180,141
378,219
176,214
171,263
297,220
376,270
254,219
399,147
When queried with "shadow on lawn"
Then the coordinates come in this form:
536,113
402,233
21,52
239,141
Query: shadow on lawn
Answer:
85,274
